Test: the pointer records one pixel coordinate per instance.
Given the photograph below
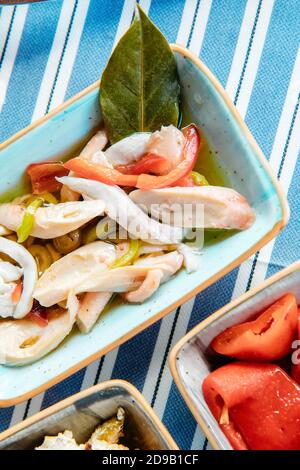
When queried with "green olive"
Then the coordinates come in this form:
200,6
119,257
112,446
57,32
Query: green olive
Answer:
42,257
67,243
89,234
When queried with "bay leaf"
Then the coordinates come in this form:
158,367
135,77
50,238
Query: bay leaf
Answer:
139,89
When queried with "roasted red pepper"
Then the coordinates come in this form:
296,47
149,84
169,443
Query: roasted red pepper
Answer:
98,172
267,338
257,406
43,176
148,163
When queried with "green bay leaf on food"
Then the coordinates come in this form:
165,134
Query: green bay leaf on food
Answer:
139,87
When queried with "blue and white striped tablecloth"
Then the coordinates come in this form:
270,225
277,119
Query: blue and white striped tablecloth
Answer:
49,51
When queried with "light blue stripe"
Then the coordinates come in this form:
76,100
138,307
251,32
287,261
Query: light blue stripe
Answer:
166,17
96,44
282,42
29,67
221,36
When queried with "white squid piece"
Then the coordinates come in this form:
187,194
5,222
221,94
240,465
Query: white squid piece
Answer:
70,272
96,144
223,208
128,150
130,278
120,208
4,231
24,341
150,284
10,273
52,221
167,143
92,151
90,308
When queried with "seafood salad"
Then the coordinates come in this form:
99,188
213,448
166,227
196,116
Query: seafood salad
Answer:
120,218
105,437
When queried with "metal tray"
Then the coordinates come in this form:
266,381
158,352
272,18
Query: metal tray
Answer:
82,412
192,360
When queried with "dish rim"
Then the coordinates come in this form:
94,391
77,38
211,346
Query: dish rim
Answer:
204,324
123,384
252,249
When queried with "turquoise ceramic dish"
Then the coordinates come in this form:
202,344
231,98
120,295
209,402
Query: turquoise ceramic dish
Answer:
245,169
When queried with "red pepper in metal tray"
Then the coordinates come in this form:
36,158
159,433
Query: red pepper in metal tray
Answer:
267,338
256,405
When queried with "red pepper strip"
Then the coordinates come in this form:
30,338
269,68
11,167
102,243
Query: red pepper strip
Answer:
39,316
17,292
148,163
98,172
262,405
112,176
43,176
267,338
187,163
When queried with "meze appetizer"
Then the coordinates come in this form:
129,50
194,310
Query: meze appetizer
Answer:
120,218
105,437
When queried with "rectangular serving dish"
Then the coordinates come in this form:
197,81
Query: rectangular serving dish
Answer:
82,412
191,359
63,132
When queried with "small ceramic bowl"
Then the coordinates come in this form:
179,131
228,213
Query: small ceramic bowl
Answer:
233,152
82,412
191,359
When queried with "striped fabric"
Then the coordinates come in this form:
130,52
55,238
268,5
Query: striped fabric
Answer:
50,51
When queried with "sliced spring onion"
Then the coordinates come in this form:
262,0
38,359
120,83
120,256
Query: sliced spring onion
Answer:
199,179
128,257
26,226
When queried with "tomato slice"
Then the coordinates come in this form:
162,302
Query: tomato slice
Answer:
43,176
187,163
267,338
